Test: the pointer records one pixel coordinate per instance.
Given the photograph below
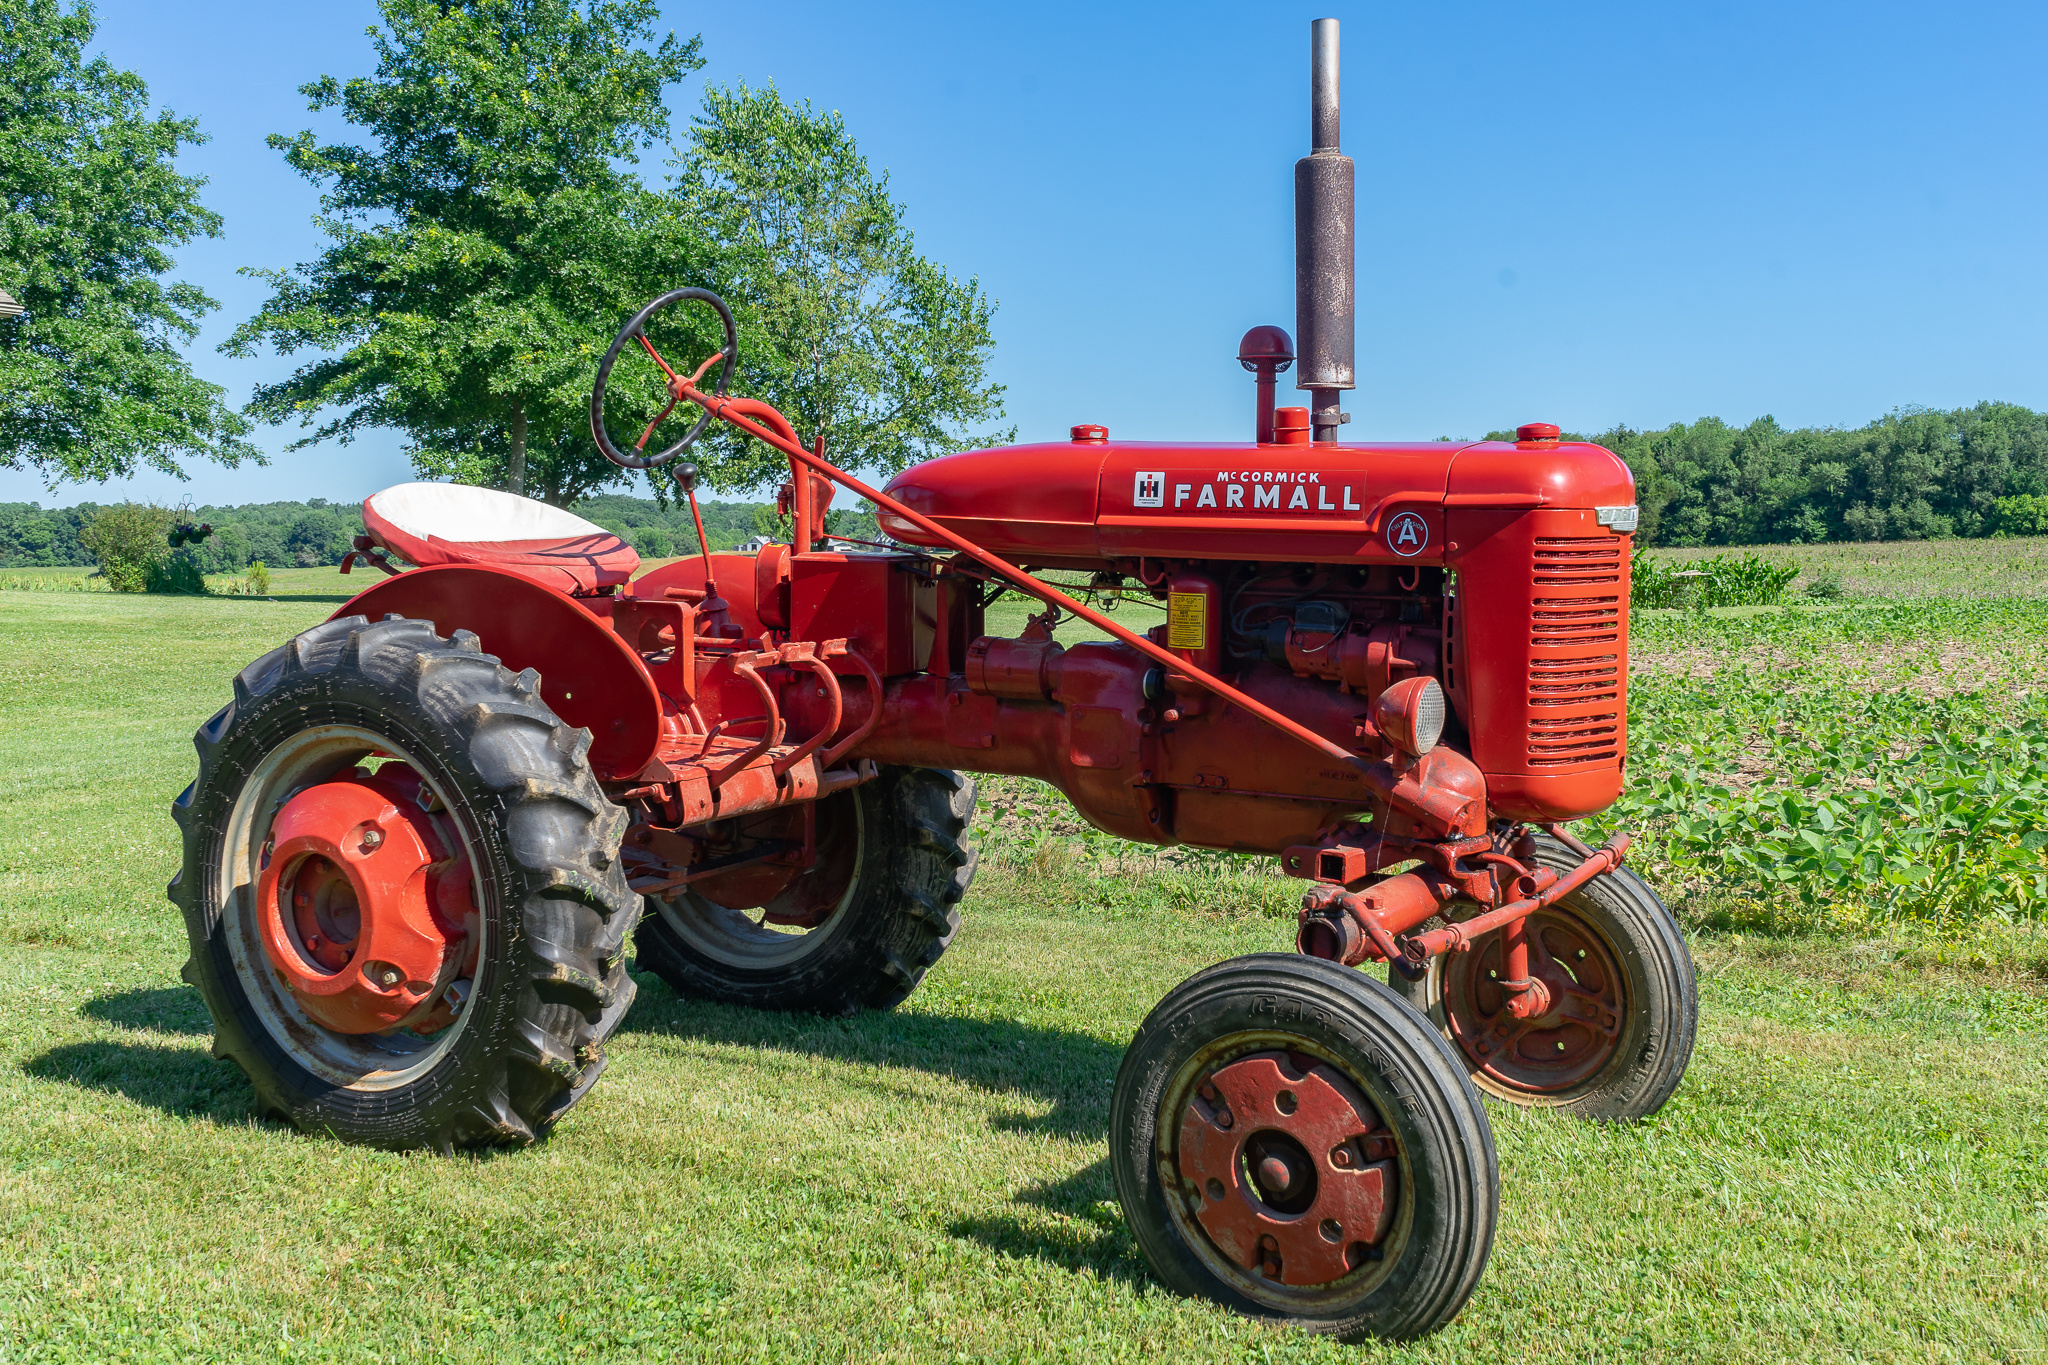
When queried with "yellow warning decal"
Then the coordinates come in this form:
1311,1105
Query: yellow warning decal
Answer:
1187,620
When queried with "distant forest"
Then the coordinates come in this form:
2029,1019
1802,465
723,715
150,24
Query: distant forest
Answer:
305,534
1914,474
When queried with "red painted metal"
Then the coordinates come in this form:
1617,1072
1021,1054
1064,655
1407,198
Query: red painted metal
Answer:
1276,1145
1457,937
363,906
588,676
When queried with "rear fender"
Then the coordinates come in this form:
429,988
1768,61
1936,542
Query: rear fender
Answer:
588,676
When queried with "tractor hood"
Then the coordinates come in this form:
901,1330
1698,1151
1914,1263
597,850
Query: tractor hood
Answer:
1094,500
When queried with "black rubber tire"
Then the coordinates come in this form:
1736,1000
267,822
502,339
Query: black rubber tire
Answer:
1660,1018
898,916
552,984
1449,1196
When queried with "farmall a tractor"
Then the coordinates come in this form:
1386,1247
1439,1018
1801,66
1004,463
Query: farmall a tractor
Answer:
424,833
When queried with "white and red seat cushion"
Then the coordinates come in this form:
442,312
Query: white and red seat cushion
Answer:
453,523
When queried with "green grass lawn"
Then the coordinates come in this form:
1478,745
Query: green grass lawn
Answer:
1853,1169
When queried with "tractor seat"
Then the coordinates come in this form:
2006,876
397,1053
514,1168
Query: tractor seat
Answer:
453,523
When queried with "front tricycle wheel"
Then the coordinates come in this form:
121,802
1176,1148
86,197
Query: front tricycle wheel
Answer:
1291,1141
1621,1001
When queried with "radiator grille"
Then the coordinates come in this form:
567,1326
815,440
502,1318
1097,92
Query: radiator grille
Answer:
1573,561
1576,669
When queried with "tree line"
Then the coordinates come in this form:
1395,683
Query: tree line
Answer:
309,534
1913,474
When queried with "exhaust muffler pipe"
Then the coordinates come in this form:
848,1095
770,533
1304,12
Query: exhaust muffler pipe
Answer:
1325,249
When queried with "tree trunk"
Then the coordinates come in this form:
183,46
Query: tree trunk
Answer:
515,467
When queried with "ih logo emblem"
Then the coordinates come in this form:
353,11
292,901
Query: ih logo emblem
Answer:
1149,489
1408,535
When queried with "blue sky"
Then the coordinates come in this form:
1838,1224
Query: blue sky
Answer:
1585,214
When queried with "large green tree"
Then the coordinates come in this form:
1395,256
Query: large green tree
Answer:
844,326
487,238
93,383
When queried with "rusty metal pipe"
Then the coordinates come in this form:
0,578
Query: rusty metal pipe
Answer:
1604,859
1325,248
1351,926
771,734
833,754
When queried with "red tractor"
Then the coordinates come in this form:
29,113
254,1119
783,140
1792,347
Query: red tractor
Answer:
423,831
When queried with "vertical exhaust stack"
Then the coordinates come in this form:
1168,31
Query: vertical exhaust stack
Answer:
1325,250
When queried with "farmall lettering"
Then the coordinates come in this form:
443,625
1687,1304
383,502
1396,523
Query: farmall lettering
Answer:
1297,492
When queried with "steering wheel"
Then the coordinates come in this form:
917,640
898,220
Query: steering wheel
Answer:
636,330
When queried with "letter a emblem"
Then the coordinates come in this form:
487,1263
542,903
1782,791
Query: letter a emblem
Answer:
1408,535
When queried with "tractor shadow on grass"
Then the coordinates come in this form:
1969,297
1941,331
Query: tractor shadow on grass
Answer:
168,1009
184,1081
176,1079
1069,1070
1073,1222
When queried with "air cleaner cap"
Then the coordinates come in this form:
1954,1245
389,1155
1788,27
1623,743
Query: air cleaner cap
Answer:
1531,432
1088,431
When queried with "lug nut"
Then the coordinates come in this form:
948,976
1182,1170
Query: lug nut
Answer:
1269,1242
373,838
1341,1158
1223,1119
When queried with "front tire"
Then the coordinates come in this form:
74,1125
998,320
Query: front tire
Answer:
510,788
856,932
1616,1043
1293,1142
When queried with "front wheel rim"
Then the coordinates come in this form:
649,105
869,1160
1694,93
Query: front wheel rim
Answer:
1570,1046
1280,1173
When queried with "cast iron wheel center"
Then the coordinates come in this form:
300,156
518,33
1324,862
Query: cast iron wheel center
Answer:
324,911
1572,1041
1273,1157
360,905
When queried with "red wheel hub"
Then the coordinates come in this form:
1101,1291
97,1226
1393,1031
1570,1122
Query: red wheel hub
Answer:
1294,1177
364,905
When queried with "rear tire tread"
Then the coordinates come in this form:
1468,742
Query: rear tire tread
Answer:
567,909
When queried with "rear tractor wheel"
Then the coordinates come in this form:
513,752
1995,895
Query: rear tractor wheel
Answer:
401,885
855,931
1293,1142
1622,1001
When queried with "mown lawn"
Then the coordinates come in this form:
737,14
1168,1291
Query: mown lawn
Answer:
1853,1169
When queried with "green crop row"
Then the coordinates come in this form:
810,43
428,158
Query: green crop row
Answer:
1810,770
1717,581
